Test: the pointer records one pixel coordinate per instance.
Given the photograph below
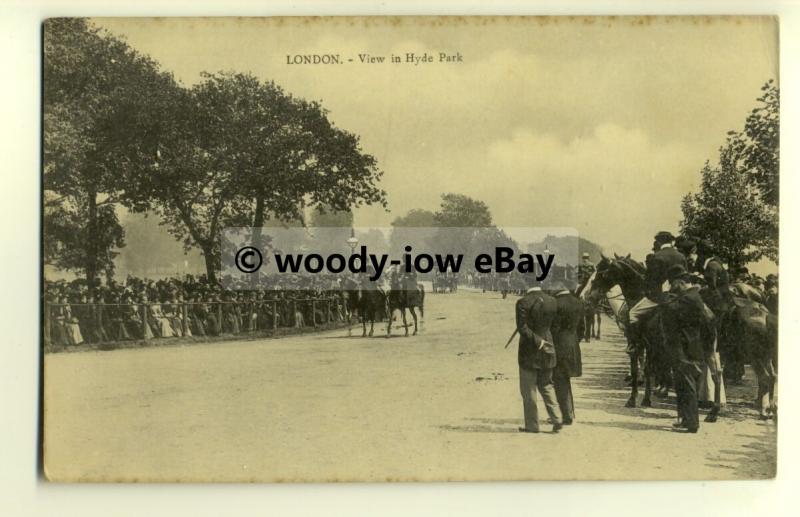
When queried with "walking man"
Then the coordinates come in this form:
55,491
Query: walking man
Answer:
536,357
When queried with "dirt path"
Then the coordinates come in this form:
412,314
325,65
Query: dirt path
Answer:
441,405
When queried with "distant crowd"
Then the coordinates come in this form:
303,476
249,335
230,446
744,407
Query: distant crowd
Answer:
140,308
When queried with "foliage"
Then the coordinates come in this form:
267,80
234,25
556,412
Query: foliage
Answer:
736,209
98,96
243,151
458,210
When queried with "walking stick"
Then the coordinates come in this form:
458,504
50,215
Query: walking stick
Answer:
511,338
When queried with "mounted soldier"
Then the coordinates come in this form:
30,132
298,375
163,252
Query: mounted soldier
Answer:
591,308
664,256
585,270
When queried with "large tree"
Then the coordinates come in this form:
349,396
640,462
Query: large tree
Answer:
464,227
243,152
736,209
100,101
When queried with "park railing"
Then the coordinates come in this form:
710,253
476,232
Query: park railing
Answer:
72,324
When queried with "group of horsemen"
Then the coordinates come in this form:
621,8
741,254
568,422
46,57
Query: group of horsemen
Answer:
693,293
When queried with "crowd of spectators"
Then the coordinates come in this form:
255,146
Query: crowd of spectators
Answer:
139,309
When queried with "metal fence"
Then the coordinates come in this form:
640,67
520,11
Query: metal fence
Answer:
71,324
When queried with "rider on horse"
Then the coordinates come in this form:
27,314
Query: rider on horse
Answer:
658,263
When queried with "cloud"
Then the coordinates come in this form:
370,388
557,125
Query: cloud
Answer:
615,185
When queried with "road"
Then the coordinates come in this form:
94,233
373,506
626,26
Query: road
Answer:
443,405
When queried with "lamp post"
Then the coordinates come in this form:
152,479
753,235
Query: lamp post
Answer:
352,241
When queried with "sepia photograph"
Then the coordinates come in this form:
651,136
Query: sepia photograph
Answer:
409,249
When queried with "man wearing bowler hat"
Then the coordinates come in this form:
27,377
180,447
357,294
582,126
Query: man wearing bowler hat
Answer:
536,357
658,263
690,333
566,330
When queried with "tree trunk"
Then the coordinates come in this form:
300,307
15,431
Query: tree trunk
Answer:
257,237
211,267
91,241
258,222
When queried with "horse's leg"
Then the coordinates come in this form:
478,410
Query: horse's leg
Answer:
648,380
405,323
712,415
371,323
762,399
389,323
414,315
634,357
587,325
773,406
596,317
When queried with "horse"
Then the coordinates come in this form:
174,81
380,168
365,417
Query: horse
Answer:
405,293
367,301
629,276
750,331
591,310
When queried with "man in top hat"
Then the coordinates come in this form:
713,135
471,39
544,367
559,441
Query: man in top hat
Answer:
536,357
658,263
690,334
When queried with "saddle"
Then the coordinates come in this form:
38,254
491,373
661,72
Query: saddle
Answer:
751,312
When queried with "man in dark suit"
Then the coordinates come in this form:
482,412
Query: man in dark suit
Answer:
664,257
536,357
566,329
690,334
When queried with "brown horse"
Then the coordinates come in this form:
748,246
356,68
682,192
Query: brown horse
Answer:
650,349
405,293
747,327
366,300
749,330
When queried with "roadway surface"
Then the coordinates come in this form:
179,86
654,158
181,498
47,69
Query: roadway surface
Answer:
443,405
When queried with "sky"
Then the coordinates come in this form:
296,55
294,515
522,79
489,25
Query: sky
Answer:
599,124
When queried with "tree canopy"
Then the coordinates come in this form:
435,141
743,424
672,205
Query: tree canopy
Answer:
98,95
230,151
736,208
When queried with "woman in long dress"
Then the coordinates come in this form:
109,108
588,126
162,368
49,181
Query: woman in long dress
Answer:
71,326
160,322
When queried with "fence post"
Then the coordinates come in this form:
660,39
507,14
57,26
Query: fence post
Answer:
294,312
251,324
219,318
183,319
314,311
274,314
145,334
328,315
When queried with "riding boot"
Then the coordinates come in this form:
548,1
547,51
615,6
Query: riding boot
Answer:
634,335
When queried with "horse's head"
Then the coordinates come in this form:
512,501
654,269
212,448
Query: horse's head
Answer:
622,271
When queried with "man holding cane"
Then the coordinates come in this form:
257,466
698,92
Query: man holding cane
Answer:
536,357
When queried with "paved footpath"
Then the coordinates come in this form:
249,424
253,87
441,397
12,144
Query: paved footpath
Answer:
443,405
